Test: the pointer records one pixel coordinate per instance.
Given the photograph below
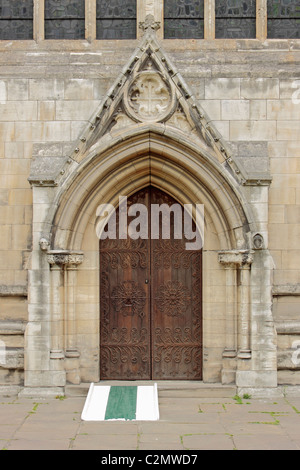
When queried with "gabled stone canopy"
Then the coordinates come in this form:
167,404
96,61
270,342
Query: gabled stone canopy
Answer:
149,92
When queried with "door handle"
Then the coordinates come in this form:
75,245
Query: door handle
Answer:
146,281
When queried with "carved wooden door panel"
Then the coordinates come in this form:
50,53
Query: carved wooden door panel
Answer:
176,305
125,348
150,293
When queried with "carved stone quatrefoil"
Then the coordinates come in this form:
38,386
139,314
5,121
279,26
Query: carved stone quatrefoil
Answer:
149,97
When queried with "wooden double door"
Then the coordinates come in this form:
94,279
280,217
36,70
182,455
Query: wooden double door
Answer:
150,303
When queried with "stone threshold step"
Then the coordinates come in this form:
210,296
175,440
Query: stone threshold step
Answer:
176,389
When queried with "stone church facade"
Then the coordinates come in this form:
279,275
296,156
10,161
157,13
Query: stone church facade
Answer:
198,100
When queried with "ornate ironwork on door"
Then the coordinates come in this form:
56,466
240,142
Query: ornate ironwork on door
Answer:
151,306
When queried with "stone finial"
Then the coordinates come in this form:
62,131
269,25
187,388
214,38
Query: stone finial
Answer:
149,24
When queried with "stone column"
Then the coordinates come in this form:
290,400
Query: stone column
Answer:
237,265
244,350
209,19
261,20
63,281
90,20
57,261
38,20
57,312
72,354
231,327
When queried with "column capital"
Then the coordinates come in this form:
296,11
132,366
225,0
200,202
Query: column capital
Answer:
236,258
65,258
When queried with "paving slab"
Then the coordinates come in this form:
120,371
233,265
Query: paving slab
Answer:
210,441
186,423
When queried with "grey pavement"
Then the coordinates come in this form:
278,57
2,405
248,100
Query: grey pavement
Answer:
186,423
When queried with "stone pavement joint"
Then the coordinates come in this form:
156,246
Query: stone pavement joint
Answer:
190,423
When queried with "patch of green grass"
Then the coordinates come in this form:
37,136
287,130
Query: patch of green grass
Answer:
238,400
246,396
292,406
273,414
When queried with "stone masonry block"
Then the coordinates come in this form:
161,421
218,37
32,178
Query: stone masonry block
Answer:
15,111
222,88
74,110
46,110
3,91
17,89
288,130
235,109
283,110
7,131
253,130
260,88
46,89
79,89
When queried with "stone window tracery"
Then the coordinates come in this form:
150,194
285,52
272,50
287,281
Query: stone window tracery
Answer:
64,19
235,19
283,19
116,19
16,19
179,19
184,19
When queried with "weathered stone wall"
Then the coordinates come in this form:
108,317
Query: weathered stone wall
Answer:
48,93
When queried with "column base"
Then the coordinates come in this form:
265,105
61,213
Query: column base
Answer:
72,366
244,354
256,379
229,365
45,379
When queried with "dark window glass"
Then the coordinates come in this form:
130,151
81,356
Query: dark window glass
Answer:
284,19
16,19
64,19
116,19
184,19
235,19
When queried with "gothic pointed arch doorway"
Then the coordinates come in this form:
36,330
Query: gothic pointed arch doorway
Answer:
151,300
